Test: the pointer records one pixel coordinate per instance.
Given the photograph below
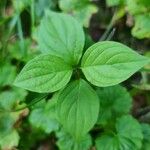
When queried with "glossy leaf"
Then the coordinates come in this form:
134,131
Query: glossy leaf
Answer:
128,136
61,35
78,108
114,101
45,73
109,63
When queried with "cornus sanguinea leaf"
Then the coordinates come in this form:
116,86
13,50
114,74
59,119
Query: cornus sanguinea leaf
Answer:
78,108
45,73
61,35
108,63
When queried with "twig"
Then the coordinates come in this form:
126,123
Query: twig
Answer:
32,14
142,111
36,100
145,118
20,32
110,26
111,34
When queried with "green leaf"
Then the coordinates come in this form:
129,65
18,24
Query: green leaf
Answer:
114,2
144,2
84,15
114,101
14,50
9,141
10,99
44,117
109,63
142,26
146,139
20,5
78,108
7,120
135,8
66,142
41,5
128,136
61,35
43,74
6,78
81,10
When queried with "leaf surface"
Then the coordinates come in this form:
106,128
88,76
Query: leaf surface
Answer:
78,108
128,136
44,117
61,35
45,73
146,134
114,101
109,63
81,10
142,26
65,141
10,140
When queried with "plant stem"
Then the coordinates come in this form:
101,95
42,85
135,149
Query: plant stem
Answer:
20,32
32,14
110,26
36,100
144,77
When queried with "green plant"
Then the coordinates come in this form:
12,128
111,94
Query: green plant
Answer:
77,104
81,10
140,12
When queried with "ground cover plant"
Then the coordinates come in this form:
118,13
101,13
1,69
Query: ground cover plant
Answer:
72,78
139,9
